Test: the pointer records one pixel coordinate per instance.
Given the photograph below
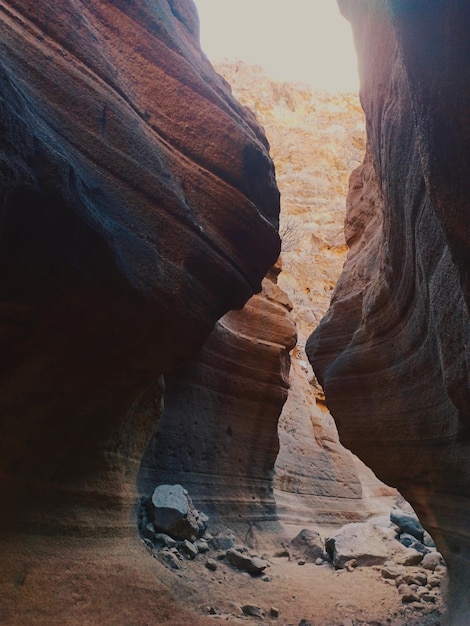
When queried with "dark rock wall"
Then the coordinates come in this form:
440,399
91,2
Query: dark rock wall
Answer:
392,352
138,205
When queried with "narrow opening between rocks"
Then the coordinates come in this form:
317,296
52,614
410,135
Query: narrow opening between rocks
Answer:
345,534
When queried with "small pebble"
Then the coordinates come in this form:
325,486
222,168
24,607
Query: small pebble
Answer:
211,565
252,611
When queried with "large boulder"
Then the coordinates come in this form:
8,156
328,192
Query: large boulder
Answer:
392,353
307,545
173,512
366,544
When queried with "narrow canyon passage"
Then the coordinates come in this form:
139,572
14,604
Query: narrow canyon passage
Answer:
222,444
315,140
151,334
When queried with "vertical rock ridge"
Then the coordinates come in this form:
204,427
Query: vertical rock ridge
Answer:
392,352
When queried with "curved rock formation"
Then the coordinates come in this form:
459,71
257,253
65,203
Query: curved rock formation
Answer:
138,205
392,353
314,137
218,433
317,481
124,236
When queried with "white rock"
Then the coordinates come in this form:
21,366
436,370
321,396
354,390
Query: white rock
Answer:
367,544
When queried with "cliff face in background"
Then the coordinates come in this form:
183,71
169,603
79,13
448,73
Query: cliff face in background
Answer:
138,205
316,140
392,352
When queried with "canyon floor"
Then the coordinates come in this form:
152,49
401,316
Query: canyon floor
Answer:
53,582
319,595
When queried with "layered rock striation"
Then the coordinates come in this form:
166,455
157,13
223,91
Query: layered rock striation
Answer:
124,235
218,433
138,205
392,351
316,138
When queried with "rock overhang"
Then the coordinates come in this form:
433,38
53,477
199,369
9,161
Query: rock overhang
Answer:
139,205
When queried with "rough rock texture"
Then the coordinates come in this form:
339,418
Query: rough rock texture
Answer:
138,205
392,353
307,545
251,564
172,512
368,545
316,138
218,433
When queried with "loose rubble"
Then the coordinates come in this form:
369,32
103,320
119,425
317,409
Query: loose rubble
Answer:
415,568
178,531
401,552
407,523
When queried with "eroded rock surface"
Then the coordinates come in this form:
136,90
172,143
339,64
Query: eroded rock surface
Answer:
138,205
316,138
117,256
392,352
218,433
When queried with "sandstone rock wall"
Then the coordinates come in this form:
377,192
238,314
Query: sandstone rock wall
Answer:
137,206
124,236
316,138
218,433
392,352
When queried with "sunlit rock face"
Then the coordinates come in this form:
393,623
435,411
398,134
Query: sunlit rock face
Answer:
392,352
315,140
218,433
317,481
138,205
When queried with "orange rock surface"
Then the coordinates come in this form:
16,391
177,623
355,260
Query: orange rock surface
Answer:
315,140
392,352
138,206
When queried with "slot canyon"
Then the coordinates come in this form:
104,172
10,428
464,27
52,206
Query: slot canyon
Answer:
300,372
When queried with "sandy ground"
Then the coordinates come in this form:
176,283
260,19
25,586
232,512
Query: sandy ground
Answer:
317,594
117,582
